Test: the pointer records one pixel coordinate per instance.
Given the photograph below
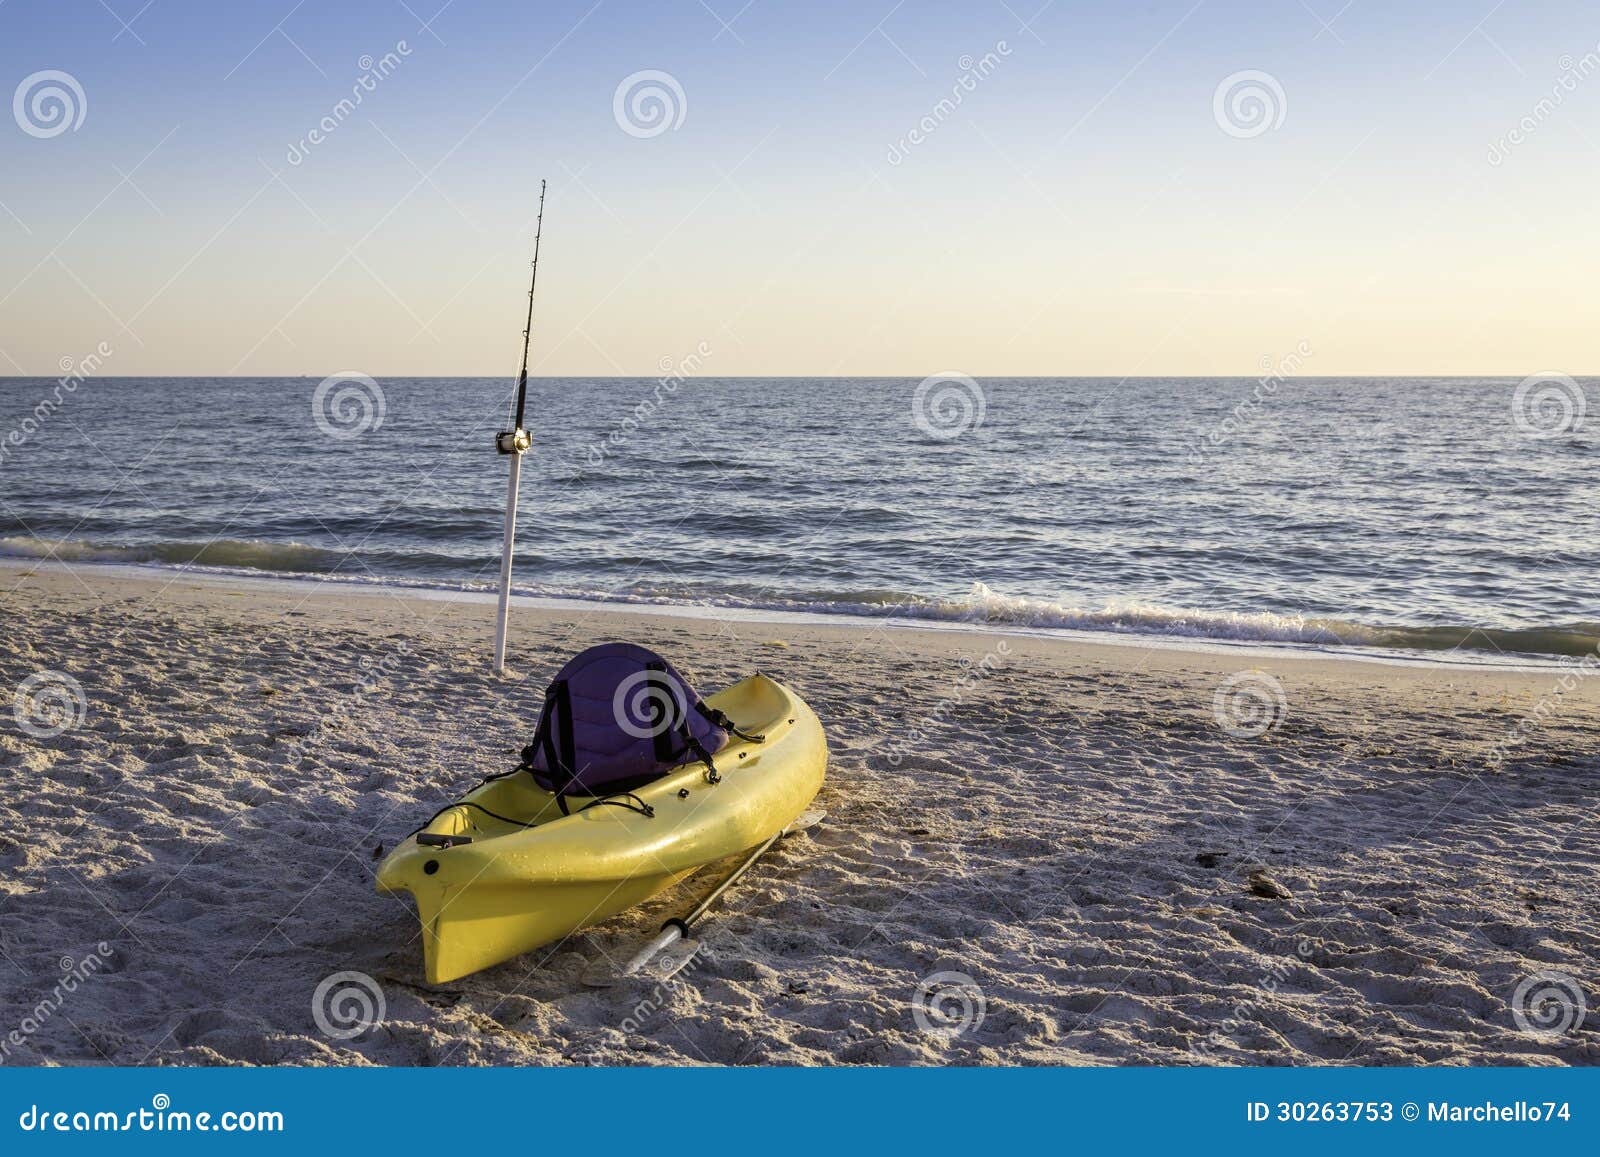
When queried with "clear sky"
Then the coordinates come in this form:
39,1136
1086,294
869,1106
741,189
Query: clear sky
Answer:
1094,203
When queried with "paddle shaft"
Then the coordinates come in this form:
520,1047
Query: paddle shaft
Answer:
733,878
679,929
674,930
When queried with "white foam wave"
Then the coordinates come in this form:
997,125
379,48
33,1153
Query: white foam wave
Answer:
980,606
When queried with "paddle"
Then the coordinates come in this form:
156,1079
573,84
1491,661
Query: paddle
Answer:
678,929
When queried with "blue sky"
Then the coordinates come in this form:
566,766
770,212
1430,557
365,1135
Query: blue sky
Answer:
1084,209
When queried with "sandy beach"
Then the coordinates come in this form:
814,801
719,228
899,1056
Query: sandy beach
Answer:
1082,853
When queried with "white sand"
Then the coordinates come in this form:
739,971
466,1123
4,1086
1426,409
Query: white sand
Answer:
1071,829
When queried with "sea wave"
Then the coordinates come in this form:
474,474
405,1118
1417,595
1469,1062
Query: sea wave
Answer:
280,557
980,606
983,606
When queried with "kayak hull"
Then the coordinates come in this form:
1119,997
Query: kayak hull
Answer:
477,928
514,889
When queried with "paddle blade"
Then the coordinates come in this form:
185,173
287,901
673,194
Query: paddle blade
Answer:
602,974
672,960
661,959
806,819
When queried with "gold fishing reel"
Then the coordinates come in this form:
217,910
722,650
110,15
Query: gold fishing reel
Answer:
513,441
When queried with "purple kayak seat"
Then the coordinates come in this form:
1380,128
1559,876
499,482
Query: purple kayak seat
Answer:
617,717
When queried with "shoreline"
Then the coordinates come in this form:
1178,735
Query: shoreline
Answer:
269,581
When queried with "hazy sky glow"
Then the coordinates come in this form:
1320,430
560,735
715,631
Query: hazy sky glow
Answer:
1419,198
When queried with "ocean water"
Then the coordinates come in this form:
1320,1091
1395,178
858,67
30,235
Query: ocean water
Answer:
1421,513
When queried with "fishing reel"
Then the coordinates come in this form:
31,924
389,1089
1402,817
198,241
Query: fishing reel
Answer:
513,441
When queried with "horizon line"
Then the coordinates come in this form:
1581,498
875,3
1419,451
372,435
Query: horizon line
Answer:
913,376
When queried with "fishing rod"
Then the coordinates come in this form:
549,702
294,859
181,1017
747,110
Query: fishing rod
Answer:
515,442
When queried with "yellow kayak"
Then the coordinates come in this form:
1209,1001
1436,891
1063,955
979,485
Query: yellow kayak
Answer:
519,885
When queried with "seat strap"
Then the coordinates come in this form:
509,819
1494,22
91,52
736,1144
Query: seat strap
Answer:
623,799
728,725
569,738
698,749
664,708
541,739
560,751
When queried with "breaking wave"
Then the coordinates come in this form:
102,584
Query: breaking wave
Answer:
222,553
980,606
